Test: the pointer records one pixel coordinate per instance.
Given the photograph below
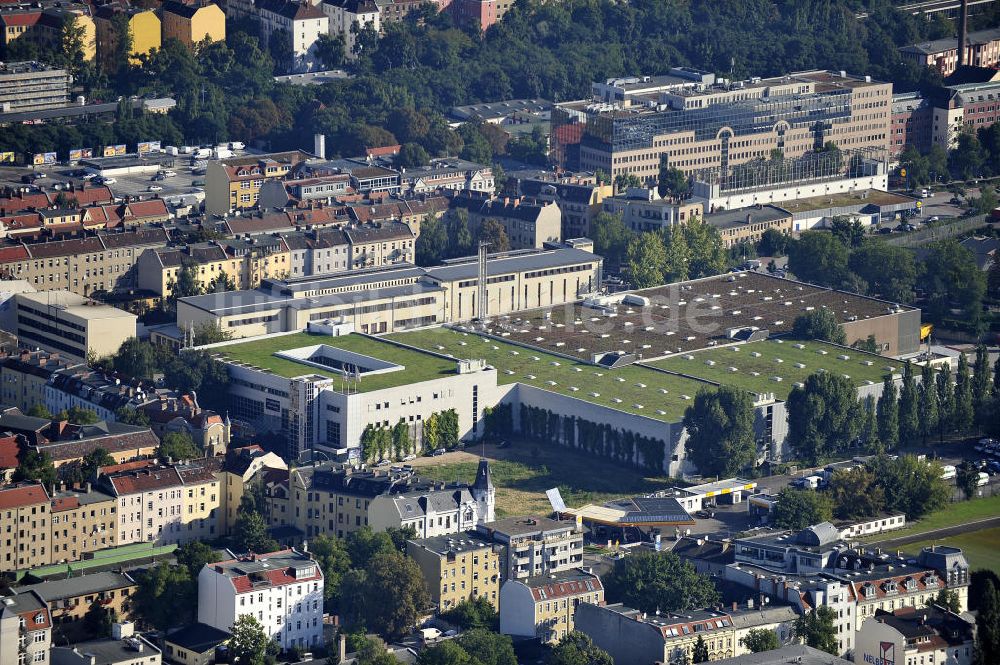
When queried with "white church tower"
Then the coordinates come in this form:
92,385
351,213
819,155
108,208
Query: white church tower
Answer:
484,493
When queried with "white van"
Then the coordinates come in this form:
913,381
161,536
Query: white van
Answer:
982,479
948,472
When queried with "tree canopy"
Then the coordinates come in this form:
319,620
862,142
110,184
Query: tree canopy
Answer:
719,424
651,581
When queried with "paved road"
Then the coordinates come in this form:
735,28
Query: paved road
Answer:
944,532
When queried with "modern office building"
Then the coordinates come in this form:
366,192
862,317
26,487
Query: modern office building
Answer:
71,324
716,125
30,86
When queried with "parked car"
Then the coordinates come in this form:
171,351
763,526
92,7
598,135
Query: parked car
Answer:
107,181
705,514
409,458
155,188
89,176
955,201
438,452
168,174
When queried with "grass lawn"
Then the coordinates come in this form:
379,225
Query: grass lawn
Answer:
981,548
634,389
951,515
528,470
791,360
419,366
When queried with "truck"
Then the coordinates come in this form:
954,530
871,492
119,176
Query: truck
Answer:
948,472
202,153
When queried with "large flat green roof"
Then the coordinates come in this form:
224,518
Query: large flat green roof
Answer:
631,385
755,366
419,366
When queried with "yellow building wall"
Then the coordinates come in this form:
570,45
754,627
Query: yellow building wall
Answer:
209,22
89,37
146,30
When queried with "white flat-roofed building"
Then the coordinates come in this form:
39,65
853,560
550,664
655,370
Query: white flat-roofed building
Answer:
71,324
282,590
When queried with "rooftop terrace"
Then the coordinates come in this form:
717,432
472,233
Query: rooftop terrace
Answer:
260,353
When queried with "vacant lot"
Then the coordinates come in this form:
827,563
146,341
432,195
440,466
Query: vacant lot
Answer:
524,471
981,548
953,514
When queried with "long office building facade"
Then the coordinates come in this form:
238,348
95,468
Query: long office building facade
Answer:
719,124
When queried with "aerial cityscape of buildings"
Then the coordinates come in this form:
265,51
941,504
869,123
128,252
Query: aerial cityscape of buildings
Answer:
694,365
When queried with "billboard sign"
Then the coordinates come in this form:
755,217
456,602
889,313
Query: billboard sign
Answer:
120,149
43,158
886,655
149,146
109,151
76,154
7,158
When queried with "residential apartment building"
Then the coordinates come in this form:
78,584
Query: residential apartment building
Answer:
529,224
49,29
68,600
83,521
243,262
233,184
748,225
144,30
379,244
24,377
203,502
282,590
334,499
579,202
150,504
535,546
242,466
24,542
30,86
982,50
714,125
348,17
192,24
124,647
447,173
101,262
545,607
643,210
815,568
69,444
25,629
632,637
302,23
915,635
458,567
71,324
210,432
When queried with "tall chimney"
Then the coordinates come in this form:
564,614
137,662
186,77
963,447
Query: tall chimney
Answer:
963,30
319,145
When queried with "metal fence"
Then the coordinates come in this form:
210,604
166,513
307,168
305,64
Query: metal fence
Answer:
942,232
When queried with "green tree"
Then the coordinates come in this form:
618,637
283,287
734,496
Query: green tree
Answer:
855,494
40,411
678,264
706,252
432,243
988,623
849,231
819,324
250,644
816,629
330,50
333,559
672,181
195,555
279,46
909,409
950,278
135,359
772,243
36,466
400,439
982,387
819,258
79,415
964,413
700,652
471,614
948,599
412,155
448,652
128,416
719,424
394,594
94,460
97,621
371,650
798,509
187,282
946,402
658,580
177,446
912,486
927,408
209,332
493,232
967,479
576,648
822,416
488,647
761,639
165,597
868,435
459,235
250,533
645,258
611,238
887,270
221,283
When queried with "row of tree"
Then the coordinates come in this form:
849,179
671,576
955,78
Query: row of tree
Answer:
450,236
439,430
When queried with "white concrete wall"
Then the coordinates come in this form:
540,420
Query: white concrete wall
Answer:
713,197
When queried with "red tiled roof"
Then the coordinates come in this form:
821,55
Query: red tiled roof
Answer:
150,208
564,589
10,448
24,201
13,254
26,495
30,622
383,151
127,466
65,503
27,18
144,481
91,195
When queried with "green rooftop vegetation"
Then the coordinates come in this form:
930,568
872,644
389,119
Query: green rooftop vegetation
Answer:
418,366
639,390
755,366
